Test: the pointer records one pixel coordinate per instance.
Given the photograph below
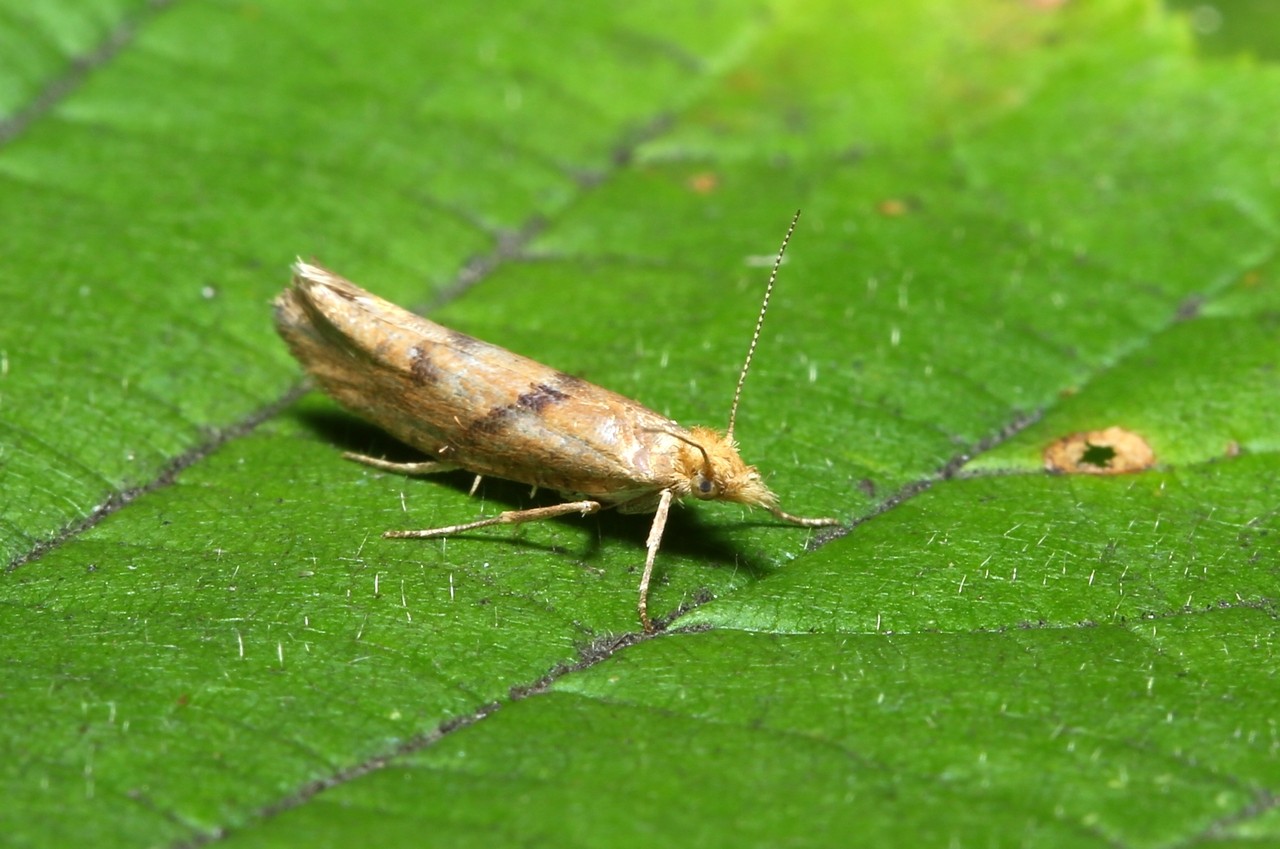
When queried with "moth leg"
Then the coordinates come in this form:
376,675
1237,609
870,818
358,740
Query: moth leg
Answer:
803,521
425,467
510,517
655,539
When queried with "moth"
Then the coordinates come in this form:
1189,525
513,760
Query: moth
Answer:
472,406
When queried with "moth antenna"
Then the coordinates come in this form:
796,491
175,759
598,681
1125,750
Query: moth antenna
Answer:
755,337
706,458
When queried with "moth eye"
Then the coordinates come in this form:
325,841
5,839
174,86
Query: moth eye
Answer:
705,487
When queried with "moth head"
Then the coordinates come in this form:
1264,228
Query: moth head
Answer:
715,471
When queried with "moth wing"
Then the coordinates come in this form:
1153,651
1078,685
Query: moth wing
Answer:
468,402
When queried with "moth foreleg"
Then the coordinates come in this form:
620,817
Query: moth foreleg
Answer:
425,467
803,521
655,539
510,517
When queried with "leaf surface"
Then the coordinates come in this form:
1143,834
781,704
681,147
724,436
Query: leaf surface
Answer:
1020,221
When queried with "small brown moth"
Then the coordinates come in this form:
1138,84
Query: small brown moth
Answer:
473,406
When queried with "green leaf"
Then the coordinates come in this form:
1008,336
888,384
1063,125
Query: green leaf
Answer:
1020,222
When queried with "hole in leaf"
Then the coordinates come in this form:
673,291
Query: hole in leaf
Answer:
1112,451
1097,455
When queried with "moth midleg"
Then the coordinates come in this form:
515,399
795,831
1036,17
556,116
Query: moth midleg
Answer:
655,539
423,467
510,517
